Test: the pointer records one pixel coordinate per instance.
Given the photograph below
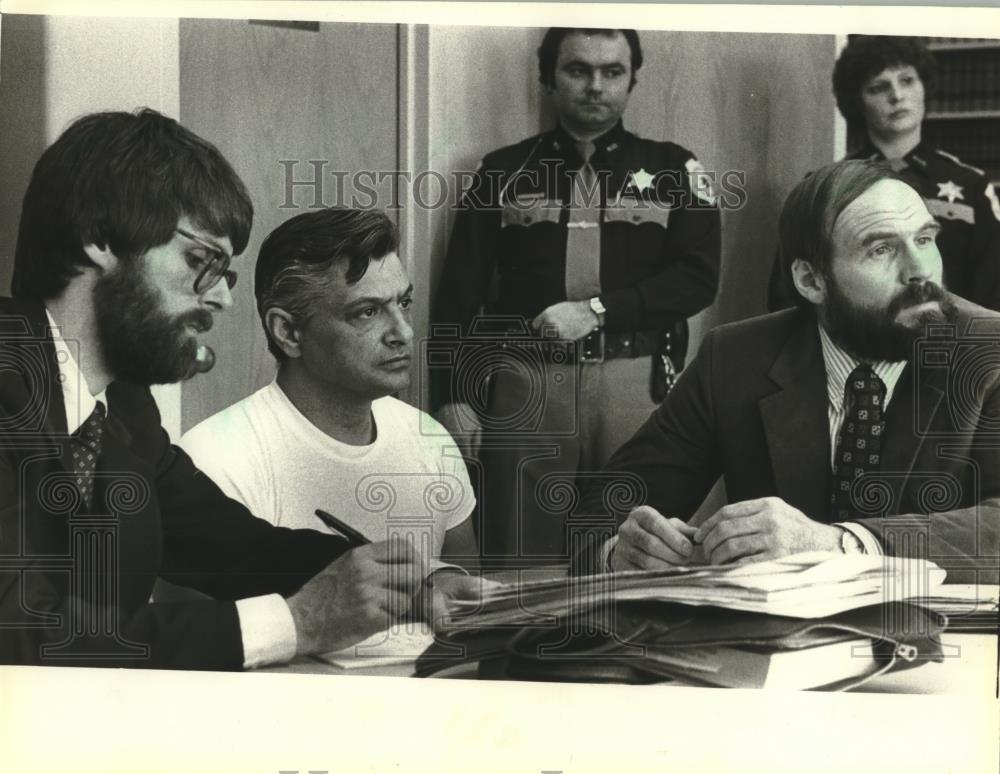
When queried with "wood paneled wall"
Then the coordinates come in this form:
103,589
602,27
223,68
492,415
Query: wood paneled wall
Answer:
760,104
264,94
22,124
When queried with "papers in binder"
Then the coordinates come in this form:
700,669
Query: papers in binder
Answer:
807,585
968,608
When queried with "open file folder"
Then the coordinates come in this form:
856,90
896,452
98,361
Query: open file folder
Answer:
815,620
807,585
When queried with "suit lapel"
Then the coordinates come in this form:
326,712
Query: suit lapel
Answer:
114,425
796,423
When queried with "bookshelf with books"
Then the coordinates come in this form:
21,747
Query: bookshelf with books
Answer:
963,111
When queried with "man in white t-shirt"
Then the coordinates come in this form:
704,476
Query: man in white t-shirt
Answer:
335,301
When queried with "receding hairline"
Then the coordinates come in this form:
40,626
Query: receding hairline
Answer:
904,189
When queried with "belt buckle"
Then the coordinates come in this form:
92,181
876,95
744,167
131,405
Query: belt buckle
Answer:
588,352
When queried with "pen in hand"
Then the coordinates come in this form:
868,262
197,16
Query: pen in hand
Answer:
355,538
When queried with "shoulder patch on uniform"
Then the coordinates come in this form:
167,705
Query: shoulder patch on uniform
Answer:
700,181
994,204
958,161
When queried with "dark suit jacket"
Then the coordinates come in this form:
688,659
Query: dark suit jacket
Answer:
752,408
168,519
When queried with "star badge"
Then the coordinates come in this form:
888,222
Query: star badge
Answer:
950,191
642,180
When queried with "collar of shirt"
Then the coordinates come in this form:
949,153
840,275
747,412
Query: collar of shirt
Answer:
77,398
563,142
839,366
915,160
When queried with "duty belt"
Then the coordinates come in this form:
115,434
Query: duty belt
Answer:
600,346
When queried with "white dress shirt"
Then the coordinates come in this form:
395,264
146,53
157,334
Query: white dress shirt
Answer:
266,624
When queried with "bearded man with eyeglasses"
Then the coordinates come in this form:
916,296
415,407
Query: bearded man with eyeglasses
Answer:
127,232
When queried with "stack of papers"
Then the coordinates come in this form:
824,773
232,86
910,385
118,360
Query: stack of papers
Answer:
807,585
968,608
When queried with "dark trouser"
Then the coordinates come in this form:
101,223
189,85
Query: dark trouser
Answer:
550,432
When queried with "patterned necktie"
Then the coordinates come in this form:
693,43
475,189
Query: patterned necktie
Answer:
583,232
85,444
859,448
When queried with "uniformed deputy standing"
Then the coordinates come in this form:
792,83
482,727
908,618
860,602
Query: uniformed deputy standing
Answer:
585,234
880,83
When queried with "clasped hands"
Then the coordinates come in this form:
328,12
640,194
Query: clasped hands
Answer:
569,320
370,588
751,530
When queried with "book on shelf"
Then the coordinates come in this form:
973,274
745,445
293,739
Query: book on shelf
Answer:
967,83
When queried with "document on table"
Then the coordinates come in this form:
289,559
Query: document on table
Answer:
400,644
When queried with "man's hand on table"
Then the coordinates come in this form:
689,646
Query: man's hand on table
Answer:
758,530
363,592
648,540
752,530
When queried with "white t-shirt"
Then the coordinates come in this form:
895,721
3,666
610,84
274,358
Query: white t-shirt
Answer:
410,481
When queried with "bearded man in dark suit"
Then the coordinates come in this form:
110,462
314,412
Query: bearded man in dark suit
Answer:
867,419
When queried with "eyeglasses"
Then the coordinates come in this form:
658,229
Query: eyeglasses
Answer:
210,270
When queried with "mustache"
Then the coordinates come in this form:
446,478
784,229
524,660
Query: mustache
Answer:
914,295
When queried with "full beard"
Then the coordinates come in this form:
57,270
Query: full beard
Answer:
875,334
141,343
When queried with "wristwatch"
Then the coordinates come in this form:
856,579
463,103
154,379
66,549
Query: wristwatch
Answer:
850,543
598,308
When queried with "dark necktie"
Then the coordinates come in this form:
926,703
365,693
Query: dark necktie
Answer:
583,233
859,448
85,444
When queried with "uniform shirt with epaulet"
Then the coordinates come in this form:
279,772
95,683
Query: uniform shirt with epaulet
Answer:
660,238
964,202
